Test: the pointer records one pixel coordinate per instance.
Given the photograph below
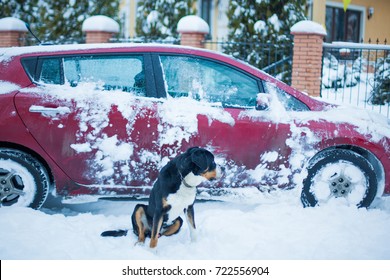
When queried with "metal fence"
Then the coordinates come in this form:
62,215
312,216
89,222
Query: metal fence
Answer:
357,74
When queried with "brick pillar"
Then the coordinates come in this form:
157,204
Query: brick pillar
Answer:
307,58
99,29
192,30
12,32
92,37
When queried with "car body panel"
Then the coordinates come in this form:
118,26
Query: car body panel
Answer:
75,134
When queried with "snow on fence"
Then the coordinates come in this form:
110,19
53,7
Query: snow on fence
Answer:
357,74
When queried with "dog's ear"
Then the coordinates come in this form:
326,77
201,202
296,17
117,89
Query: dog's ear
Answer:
202,159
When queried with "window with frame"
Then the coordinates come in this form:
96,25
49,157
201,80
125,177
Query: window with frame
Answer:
121,72
206,12
289,102
209,81
50,71
343,26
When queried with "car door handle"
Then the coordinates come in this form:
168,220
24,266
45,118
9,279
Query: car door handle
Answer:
48,111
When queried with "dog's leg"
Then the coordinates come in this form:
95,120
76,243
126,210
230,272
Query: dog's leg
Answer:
138,219
174,228
157,223
190,214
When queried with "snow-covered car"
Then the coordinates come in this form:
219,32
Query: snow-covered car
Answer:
103,119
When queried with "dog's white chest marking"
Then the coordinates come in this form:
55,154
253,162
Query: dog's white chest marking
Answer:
180,200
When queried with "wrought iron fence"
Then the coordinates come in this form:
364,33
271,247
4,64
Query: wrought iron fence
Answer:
357,74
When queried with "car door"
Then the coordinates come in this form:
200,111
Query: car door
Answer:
94,116
212,104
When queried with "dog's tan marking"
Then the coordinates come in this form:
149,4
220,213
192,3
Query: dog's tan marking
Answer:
141,227
155,232
172,229
210,174
165,203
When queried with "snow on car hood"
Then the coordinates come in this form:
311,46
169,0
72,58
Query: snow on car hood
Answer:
366,122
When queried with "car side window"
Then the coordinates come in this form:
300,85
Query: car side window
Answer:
112,72
289,102
210,81
50,71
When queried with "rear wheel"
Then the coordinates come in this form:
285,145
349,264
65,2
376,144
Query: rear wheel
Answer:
23,180
341,174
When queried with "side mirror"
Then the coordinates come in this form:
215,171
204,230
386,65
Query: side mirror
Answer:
263,101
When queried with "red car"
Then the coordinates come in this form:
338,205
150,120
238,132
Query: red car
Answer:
103,119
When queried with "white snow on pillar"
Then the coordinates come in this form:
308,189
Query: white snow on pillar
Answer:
12,24
100,23
192,24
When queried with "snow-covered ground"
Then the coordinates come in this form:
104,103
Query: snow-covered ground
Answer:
248,226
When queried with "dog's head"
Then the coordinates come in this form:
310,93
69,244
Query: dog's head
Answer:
200,162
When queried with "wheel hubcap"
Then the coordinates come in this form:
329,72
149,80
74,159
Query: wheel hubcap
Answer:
11,185
340,185
339,180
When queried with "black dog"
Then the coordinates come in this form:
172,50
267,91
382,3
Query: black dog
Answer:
172,193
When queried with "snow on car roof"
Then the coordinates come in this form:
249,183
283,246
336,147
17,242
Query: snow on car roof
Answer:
7,53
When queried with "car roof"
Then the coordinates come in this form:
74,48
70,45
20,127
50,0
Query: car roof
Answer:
8,53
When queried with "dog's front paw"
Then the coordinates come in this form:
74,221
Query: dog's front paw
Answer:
139,243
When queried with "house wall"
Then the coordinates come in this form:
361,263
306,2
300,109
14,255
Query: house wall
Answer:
375,28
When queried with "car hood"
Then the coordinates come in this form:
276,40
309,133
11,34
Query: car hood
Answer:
366,122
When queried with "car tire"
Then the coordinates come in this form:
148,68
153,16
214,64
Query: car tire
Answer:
23,180
339,173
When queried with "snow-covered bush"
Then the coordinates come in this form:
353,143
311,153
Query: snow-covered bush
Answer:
58,21
338,73
381,89
157,19
259,31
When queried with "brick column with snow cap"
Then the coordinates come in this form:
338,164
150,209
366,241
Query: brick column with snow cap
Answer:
192,30
99,29
307,58
12,32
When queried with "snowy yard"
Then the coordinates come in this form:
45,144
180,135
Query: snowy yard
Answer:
248,226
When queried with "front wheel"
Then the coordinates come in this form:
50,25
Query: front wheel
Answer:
341,174
23,180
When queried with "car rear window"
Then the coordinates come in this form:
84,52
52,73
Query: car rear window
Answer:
51,71
107,72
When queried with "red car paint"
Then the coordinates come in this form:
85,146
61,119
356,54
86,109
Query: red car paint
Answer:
50,138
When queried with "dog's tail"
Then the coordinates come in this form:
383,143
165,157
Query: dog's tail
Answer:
114,233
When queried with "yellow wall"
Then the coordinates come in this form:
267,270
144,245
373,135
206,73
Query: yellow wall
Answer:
319,11
378,27
130,7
